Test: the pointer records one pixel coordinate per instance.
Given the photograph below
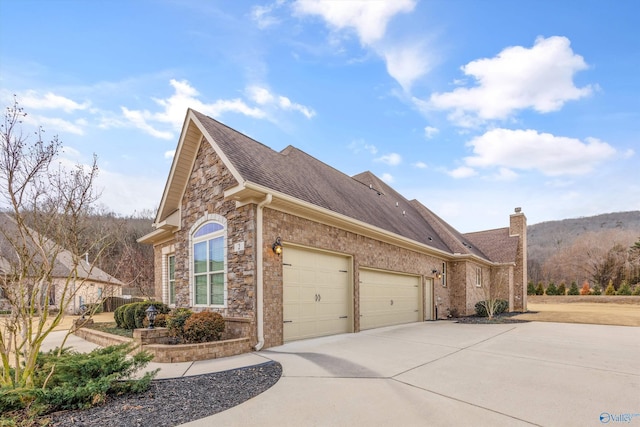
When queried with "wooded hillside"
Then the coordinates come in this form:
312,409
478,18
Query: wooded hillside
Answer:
595,248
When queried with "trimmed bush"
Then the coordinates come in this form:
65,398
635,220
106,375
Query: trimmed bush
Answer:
562,290
585,290
551,289
175,321
132,316
539,289
204,327
500,307
573,290
597,290
625,289
531,289
610,289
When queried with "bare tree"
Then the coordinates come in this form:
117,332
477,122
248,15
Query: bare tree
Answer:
48,206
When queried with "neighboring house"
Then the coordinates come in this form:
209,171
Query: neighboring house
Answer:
86,283
353,254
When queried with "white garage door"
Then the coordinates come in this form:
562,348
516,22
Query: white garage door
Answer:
388,299
316,294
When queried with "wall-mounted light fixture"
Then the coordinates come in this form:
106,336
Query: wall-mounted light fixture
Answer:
277,246
436,273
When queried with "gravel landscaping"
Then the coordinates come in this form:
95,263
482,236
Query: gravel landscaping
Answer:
170,402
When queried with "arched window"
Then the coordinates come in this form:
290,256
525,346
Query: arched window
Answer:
209,264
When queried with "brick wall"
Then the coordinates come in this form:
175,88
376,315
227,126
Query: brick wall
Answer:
366,252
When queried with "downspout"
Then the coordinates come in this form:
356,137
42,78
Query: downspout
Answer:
259,274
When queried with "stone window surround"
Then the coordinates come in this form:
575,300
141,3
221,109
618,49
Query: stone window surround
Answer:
208,217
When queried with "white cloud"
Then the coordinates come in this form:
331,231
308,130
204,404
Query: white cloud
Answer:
50,101
391,159
420,165
505,174
430,132
263,15
405,63
262,96
405,60
286,104
540,78
529,150
462,172
367,18
360,145
186,96
629,153
387,177
139,120
169,154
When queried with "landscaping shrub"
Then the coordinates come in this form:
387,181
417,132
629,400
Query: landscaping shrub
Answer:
500,307
131,316
175,321
636,291
625,289
551,289
597,290
204,327
79,380
573,290
539,289
531,289
585,290
562,290
610,289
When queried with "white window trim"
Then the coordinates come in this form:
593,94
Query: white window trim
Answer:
192,294
167,251
478,277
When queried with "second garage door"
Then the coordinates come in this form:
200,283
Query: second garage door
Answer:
316,294
388,298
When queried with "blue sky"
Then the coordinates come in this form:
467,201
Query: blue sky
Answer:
472,107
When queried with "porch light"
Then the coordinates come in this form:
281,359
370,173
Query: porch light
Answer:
151,315
436,273
277,246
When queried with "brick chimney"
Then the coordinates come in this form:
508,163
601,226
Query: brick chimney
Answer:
518,227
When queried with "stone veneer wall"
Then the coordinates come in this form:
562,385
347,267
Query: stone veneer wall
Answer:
205,195
366,252
235,340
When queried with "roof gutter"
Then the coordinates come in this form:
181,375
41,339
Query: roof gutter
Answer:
259,273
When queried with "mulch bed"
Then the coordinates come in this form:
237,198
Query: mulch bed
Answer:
170,402
501,318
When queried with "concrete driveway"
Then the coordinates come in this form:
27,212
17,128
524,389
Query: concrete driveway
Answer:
444,373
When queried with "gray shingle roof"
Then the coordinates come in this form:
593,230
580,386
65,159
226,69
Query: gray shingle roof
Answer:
496,244
363,197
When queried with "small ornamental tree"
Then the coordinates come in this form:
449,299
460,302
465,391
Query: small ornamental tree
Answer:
573,290
586,290
636,291
597,290
610,289
625,289
531,289
562,290
539,289
551,289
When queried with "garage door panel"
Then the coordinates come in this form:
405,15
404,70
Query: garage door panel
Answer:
388,299
316,294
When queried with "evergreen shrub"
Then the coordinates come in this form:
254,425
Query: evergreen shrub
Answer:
204,326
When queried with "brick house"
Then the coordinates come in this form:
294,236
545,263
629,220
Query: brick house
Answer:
299,249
